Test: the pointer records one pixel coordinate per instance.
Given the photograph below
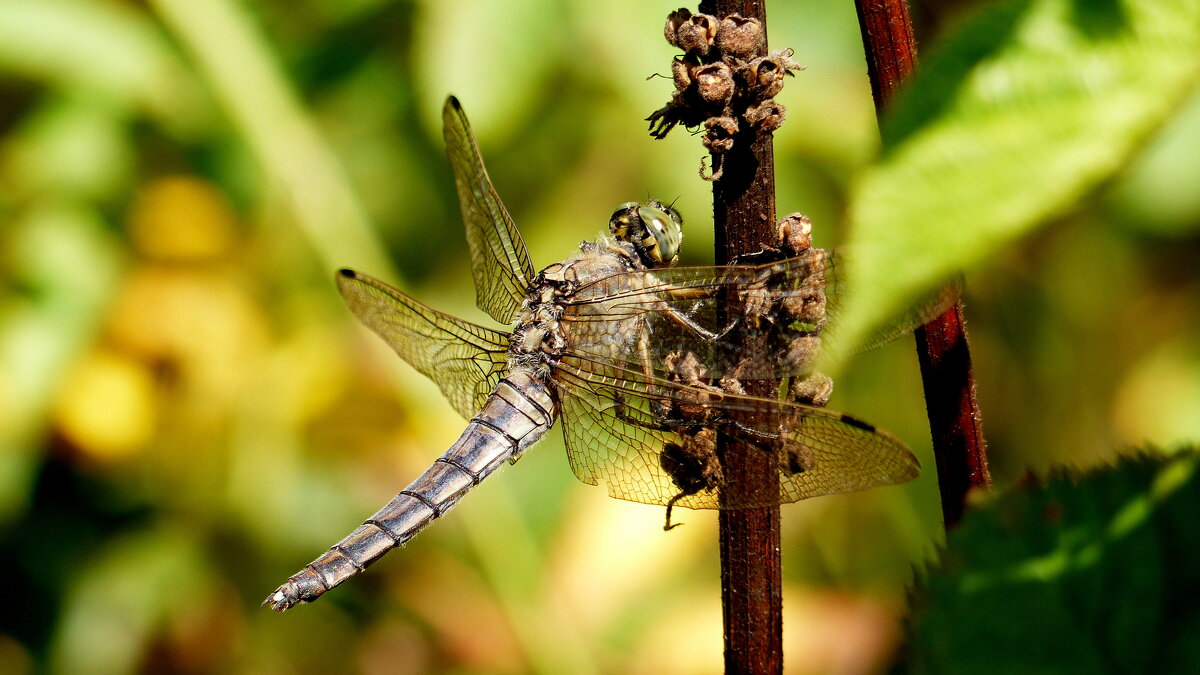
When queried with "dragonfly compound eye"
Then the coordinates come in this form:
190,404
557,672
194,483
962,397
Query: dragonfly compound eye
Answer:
663,233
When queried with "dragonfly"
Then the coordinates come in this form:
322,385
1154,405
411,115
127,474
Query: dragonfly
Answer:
643,363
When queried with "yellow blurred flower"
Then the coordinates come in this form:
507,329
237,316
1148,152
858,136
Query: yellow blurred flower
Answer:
203,322
106,407
182,218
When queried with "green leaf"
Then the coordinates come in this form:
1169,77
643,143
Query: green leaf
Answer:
1014,119
1099,573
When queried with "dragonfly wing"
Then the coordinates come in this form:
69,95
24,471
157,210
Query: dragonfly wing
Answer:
465,360
922,310
604,447
792,303
649,440
499,260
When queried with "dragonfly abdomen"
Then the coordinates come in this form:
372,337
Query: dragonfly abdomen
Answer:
516,415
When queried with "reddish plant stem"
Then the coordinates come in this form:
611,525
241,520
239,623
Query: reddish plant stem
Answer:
751,576
942,349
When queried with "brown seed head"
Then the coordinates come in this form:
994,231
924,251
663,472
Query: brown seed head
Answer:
674,21
681,73
766,116
765,74
696,35
765,77
715,83
740,37
795,233
718,133
801,354
812,390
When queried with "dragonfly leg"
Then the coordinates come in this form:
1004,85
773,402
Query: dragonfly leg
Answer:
644,352
622,412
670,504
687,322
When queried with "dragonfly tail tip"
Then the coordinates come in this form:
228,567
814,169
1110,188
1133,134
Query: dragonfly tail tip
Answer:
279,601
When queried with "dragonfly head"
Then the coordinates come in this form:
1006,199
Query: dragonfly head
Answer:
654,229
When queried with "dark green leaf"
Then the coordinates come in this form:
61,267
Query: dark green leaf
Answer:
1099,573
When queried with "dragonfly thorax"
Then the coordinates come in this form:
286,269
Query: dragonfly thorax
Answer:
537,342
538,339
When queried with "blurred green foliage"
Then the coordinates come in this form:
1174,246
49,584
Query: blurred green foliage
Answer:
188,413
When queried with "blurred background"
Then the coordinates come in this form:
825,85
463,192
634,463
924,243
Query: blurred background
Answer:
188,413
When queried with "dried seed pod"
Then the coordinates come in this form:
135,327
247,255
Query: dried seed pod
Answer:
681,73
795,458
766,116
674,21
808,309
718,133
740,37
807,303
714,83
693,465
801,355
813,390
764,77
696,35
795,233
756,300
732,385
765,74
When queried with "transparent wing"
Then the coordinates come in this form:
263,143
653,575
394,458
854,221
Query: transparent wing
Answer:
712,311
465,360
499,260
644,439
921,311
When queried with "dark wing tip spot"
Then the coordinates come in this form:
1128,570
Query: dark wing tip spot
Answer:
858,424
452,102
348,273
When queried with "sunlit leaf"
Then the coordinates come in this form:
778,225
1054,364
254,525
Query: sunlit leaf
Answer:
72,146
1012,121
1157,194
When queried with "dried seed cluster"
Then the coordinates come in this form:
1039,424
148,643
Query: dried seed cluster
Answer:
722,81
